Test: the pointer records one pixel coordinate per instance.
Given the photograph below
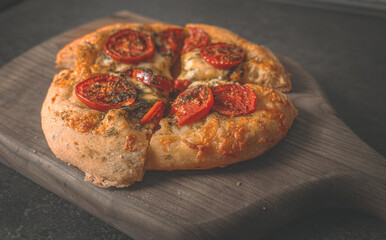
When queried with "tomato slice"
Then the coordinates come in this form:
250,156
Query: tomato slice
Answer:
234,100
157,110
192,105
170,38
130,71
198,38
129,46
148,78
222,55
180,85
104,92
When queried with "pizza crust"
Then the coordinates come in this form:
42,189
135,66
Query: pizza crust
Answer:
217,140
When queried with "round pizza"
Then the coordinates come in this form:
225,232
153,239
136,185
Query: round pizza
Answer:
133,97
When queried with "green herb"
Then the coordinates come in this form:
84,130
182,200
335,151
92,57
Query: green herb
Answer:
111,132
164,54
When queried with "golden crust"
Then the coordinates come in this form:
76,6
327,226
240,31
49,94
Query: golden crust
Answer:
260,66
217,140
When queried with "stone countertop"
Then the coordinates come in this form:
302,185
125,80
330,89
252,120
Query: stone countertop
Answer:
342,48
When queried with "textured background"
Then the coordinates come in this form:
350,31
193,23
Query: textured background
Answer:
342,45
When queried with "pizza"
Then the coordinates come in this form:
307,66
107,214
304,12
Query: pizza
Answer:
132,97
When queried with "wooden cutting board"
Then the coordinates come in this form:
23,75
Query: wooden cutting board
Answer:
321,163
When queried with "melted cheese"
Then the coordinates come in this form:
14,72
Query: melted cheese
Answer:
194,67
145,92
159,64
211,83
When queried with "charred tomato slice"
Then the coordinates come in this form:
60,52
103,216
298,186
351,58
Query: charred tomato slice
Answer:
156,111
192,105
180,85
222,55
104,92
129,46
234,100
169,38
197,38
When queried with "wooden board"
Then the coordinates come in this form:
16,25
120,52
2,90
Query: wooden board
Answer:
320,164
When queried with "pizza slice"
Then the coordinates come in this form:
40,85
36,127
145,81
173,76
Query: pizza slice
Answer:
216,123
102,124
211,52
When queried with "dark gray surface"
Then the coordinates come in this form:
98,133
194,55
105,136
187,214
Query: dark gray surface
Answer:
344,51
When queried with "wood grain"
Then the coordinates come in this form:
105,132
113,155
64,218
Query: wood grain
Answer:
320,164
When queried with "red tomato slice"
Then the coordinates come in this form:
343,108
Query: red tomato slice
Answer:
130,71
222,55
192,105
234,100
170,38
180,85
104,92
198,38
157,110
129,46
148,78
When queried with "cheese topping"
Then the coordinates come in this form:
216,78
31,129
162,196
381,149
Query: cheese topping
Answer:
211,83
145,92
194,67
159,64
